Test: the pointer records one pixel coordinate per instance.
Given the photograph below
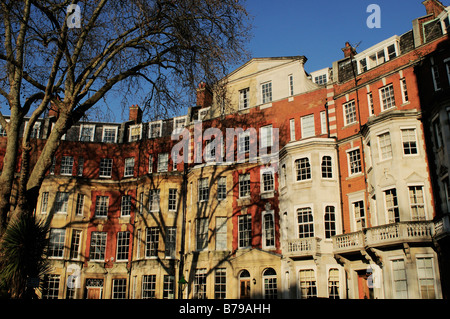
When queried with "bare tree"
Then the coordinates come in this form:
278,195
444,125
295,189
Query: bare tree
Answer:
162,46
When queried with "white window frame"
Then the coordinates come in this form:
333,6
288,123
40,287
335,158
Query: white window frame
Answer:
171,201
394,291
221,230
179,118
409,128
125,205
221,185
404,89
266,94
91,126
128,166
387,208
44,203
150,129
100,202
391,97
323,122
263,171
244,98
436,282
243,178
299,270
106,161
61,202
380,152
66,170
102,236
203,196
303,119
351,114
130,131
321,156
122,233
154,200
309,206
350,174
355,220
150,164
295,171
425,210
266,136
202,113
163,163
264,238
336,221
115,128
292,129
244,218
242,145
370,103
60,246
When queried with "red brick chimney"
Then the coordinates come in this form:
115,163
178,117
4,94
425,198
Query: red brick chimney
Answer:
135,114
348,50
204,95
434,7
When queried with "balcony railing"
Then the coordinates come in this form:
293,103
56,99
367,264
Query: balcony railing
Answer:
442,227
391,234
348,242
303,247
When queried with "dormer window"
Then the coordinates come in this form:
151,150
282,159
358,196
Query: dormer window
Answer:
179,122
135,133
371,58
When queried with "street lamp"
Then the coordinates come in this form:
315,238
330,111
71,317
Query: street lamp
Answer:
182,285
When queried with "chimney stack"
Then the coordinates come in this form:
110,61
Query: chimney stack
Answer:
204,95
135,114
434,7
349,51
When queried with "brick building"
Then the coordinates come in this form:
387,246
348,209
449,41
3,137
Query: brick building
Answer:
338,187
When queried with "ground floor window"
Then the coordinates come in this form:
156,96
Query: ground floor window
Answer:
270,284
307,284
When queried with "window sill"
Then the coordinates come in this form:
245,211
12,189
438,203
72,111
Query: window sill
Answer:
265,106
244,201
355,175
269,194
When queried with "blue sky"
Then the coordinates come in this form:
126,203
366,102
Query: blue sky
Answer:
318,29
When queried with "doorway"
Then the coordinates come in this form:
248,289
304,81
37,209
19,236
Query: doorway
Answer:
365,284
94,288
244,285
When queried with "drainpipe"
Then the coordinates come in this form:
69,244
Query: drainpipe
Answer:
183,231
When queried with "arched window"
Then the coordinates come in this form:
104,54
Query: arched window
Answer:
327,167
303,169
270,284
333,283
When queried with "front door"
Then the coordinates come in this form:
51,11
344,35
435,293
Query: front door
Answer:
365,287
94,293
244,289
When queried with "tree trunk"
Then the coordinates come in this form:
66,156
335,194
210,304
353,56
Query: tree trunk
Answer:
9,167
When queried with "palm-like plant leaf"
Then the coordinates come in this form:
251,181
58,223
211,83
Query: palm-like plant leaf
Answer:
22,253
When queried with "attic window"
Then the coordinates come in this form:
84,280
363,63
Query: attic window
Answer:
376,57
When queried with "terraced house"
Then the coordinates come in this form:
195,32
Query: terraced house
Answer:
332,184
